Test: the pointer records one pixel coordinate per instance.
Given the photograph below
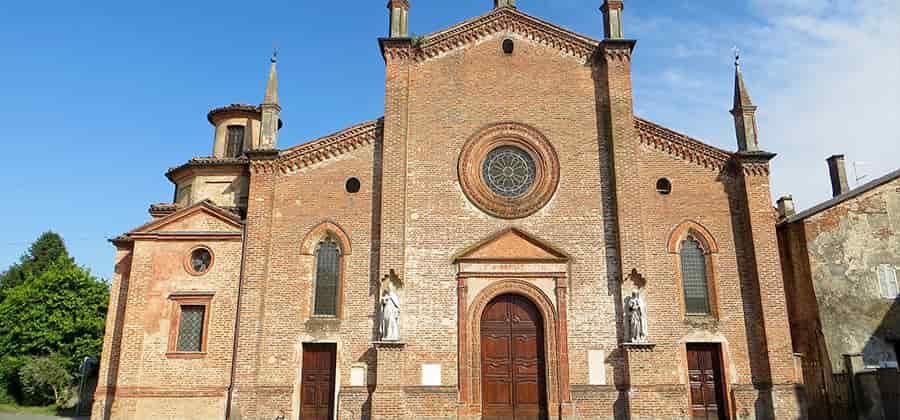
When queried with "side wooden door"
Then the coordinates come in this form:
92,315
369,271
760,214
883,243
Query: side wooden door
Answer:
317,385
707,388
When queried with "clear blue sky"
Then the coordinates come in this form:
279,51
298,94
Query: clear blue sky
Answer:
101,97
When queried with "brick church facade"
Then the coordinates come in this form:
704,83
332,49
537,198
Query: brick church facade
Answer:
511,207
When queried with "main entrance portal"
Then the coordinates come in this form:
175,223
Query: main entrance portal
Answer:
512,360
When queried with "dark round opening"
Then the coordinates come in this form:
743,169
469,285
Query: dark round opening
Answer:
664,186
201,259
353,185
508,46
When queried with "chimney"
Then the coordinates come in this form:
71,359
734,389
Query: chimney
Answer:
838,172
504,3
612,19
399,18
786,207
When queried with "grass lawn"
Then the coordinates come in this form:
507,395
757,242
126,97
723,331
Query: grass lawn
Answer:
49,410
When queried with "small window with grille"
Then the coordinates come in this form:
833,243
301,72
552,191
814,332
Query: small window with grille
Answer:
887,281
190,328
694,278
328,272
234,145
187,337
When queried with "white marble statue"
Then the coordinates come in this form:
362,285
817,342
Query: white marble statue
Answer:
390,313
637,325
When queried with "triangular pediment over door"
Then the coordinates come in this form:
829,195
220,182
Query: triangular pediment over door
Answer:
511,245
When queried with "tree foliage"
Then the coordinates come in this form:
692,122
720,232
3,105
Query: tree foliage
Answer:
48,306
60,310
48,248
45,380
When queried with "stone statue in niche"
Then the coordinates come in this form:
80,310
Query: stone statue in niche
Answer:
637,318
390,310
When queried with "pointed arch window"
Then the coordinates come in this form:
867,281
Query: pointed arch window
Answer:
695,277
328,274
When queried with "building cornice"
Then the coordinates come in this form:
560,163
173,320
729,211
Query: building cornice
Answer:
201,163
330,146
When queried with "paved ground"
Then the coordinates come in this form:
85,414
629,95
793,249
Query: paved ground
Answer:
13,416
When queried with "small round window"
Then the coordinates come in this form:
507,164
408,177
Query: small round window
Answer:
509,171
200,260
352,185
664,186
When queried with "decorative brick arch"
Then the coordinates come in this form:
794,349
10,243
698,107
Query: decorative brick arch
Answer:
690,227
702,235
470,349
312,239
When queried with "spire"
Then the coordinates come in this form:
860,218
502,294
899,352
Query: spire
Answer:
268,136
272,85
744,111
741,96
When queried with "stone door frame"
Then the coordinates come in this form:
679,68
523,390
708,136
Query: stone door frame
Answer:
555,332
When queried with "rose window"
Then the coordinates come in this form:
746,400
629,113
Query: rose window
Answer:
509,171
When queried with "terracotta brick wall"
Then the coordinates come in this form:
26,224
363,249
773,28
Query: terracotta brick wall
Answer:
142,370
412,216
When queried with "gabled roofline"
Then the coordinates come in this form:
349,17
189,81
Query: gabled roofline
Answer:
849,195
216,211
682,146
506,18
332,145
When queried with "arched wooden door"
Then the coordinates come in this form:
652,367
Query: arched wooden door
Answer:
513,370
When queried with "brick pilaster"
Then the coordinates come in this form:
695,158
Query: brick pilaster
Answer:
244,403
624,158
112,343
761,262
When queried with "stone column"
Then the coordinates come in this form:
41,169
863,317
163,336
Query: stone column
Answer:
566,408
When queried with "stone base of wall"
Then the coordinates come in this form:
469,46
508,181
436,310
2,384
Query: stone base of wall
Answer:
159,408
651,402
782,402
598,402
355,402
441,403
431,402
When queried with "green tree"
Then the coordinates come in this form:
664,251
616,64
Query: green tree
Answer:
58,310
48,248
45,380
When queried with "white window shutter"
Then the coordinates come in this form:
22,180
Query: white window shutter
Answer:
887,279
891,275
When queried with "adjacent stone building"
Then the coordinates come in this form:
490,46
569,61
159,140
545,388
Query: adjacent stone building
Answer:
514,212
841,260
